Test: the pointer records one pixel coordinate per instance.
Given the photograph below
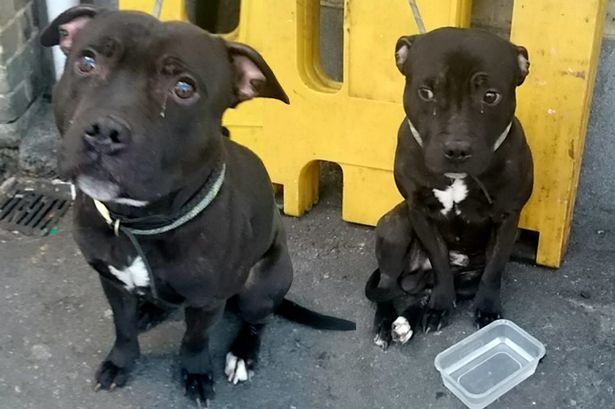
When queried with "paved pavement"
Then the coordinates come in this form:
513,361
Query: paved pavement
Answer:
56,327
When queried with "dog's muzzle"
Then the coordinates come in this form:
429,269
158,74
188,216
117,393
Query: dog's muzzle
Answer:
498,142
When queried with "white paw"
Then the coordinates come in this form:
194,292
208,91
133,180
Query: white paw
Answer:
381,342
236,369
401,330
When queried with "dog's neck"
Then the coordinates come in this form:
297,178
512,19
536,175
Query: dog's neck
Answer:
173,203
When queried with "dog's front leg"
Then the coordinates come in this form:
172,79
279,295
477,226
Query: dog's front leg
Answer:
114,370
488,304
442,297
197,368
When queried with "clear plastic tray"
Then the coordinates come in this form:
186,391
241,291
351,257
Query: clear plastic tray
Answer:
487,364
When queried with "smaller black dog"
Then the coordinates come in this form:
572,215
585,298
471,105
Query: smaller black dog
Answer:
465,170
170,212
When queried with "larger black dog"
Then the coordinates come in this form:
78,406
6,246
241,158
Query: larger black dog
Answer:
465,170
170,211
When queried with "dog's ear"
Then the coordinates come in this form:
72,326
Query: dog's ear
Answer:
64,28
252,76
524,64
402,48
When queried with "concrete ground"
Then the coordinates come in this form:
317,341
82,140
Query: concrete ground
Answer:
56,327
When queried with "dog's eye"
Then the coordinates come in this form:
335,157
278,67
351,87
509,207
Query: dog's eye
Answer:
184,89
86,64
426,94
492,97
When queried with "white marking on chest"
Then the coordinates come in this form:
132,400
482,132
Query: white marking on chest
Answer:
135,275
458,259
452,195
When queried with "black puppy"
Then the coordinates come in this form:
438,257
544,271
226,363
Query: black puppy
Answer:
465,170
169,210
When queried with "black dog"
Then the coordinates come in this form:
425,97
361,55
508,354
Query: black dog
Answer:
465,170
170,211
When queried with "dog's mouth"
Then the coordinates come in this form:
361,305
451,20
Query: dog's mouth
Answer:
105,189
94,177
98,189
455,171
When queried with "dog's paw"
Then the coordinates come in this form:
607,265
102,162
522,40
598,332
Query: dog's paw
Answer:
483,318
383,340
488,306
401,331
199,388
383,334
110,376
434,320
238,369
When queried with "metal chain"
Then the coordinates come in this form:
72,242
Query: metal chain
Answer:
417,16
157,8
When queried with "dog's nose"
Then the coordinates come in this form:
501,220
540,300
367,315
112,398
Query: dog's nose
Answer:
457,151
106,135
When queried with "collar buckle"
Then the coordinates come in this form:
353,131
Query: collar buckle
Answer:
106,215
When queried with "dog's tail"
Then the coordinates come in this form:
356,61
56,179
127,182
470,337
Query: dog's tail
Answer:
297,313
378,295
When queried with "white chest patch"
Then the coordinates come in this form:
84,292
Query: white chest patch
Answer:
455,193
135,275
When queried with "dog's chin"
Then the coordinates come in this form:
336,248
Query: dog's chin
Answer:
457,171
97,189
105,191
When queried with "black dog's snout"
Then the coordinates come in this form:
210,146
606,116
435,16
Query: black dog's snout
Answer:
106,135
457,151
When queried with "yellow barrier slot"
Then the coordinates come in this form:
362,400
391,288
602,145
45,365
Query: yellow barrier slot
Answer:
354,123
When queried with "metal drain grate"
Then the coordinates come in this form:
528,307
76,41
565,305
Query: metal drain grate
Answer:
31,212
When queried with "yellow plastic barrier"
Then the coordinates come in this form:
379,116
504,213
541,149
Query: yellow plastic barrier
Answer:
563,38
354,123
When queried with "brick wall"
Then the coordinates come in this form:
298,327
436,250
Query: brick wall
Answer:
22,76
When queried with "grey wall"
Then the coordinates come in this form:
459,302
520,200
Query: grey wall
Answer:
22,76
597,184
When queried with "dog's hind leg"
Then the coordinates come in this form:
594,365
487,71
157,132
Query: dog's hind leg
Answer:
396,321
383,319
243,355
268,283
402,329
